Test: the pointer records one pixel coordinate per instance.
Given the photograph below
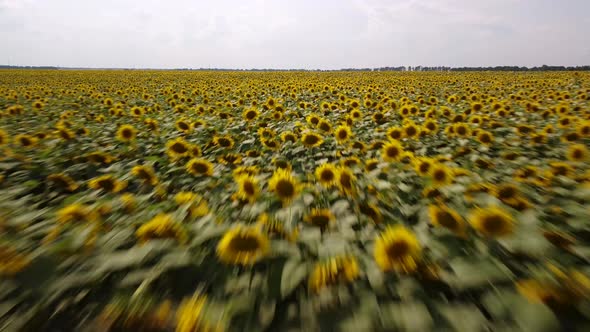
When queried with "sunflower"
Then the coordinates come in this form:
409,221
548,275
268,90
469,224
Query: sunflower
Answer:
63,181
485,137
280,163
343,133
526,173
284,185
243,245
199,167
311,139
492,221
397,249
274,227
136,111
126,133
325,126
461,130
326,174
224,141
313,119
177,148
128,202
372,211
4,138
583,128
162,226
76,213
184,126
24,140
351,161
250,114
99,157
506,192
288,136
248,188
577,152
391,151
321,218
12,261
431,126
246,170
65,134
441,215
346,180
423,165
145,173
230,159
371,164
335,270
107,183
559,168
395,133
190,316
271,144
441,175
411,130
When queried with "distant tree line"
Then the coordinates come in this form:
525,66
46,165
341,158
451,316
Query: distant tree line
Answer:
400,68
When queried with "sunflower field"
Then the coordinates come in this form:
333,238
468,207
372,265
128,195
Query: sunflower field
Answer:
294,201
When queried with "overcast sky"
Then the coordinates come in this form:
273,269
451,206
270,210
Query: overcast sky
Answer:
326,34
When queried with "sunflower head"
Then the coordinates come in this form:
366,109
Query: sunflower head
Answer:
25,141
343,133
76,213
577,152
397,249
441,175
284,185
346,181
107,183
199,167
224,141
311,139
326,174
492,221
391,151
162,226
335,270
63,181
248,188
177,148
126,133
145,173
321,218
444,216
243,245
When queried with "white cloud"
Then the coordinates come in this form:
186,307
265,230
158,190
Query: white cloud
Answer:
292,34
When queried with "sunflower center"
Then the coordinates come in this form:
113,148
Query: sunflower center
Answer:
577,154
249,188
224,142
320,220
440,175
461,130
424,167
485,138
25,141
250,115
327,175
311,139
200,168
107,184
392,152
446,219
183,126
411,131
127,133
345,180
285,188
493,223
179,147
342,134
244,243
506,192
398,249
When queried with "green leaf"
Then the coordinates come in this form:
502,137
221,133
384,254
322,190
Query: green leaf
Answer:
406,316
294,272
465,317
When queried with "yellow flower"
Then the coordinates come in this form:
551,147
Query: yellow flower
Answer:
190,316
224,141
311,139
243,246
184,126
177,148
248,188
284,185
145,173
126,133
250,114
397,249
441,175
272,226
342,133
321,218
577,152
199,167
326,174
128,202
423,165
24,140
11,261
162,226
391,151
63,181
335,270
346,181
441,215
4,138
107,183
76,213
492,221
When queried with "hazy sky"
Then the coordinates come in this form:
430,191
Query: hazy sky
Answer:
327,34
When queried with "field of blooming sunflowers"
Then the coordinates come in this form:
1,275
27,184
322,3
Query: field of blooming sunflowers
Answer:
294,201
